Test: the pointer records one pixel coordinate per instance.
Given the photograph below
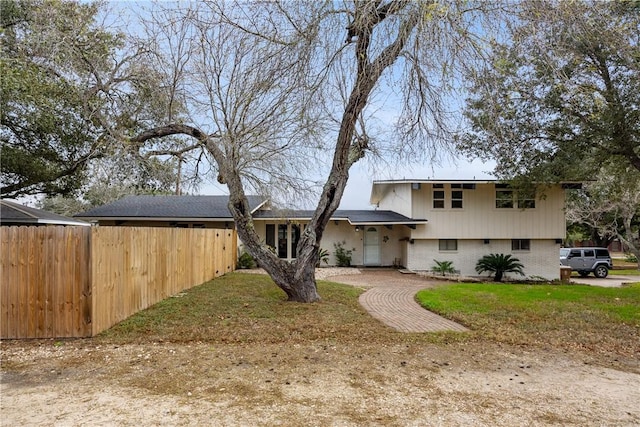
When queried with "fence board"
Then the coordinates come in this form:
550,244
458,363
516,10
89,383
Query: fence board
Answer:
78,281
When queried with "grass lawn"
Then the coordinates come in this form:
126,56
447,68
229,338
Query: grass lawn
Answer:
625,272
248,308
625,268
563,316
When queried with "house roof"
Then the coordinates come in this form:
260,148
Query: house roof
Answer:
164,208
379,187
12,213
354,217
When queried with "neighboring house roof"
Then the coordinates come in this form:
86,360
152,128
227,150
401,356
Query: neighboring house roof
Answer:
169,208
12,213
355,217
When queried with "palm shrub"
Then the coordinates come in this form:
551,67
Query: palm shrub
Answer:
443,267
499,264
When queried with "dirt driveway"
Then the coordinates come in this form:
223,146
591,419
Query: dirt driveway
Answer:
322,383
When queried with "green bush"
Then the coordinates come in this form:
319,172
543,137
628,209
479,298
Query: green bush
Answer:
499,264
246,261
343,256
443,267
323,256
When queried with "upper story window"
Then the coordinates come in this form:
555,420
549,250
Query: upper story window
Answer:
507,198
504,199
438,196
442,197
456,199
526,199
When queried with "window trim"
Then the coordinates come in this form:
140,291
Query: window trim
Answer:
443,245
521,245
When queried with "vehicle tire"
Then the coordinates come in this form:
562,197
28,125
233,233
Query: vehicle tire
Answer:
583,273
601,272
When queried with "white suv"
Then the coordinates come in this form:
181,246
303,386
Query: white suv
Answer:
587,260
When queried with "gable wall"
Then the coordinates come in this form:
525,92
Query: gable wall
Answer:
397,198
479,218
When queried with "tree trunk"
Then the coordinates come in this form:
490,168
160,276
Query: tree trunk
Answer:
299,286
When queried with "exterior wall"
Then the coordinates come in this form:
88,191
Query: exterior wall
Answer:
540,262
480,219
397,198
392,241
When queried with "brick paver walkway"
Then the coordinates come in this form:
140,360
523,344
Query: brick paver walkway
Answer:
390,299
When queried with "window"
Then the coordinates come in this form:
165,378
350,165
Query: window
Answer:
448,245
527,199
507,198
438,199
456,199
575,253
295,238
504,199
520,244
270,239
589,253
283,240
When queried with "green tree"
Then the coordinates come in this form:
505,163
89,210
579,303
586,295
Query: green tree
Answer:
609,208
271,87
560,97
498,264
67,83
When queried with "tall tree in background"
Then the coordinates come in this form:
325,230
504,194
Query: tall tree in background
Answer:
561,96
609,208
67,81
270,87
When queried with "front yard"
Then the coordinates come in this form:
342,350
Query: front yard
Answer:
233,352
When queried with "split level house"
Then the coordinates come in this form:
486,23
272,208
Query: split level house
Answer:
414,223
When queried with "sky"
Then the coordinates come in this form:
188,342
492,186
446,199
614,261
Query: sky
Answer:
362,175
358,190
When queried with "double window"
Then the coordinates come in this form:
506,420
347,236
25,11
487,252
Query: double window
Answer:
455,193
508,198
283,238
520,244
448,244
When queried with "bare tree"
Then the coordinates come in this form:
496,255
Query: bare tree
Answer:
267,85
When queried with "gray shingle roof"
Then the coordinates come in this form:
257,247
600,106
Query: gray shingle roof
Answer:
12,213
353,216
203,207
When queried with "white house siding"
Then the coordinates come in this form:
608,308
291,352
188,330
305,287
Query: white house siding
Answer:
396,197
479,218
539,262
392,242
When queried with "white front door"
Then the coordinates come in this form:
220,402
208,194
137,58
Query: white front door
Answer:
371,246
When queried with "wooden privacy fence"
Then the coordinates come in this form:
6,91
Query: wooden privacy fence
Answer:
78,281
